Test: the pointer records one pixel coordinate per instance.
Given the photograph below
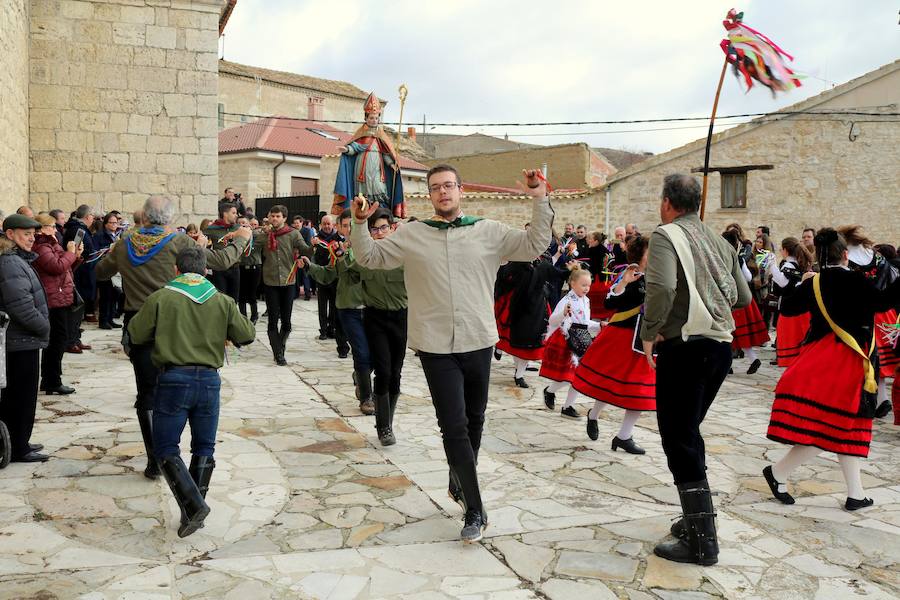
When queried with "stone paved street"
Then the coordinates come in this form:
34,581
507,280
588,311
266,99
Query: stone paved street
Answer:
306,504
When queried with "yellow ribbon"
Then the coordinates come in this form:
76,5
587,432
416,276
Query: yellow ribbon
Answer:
624,316
871,385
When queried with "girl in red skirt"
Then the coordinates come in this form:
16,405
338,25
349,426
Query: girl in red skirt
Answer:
559,362
749,327
825,399
611,371
791,329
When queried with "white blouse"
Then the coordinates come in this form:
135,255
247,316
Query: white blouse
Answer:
581,314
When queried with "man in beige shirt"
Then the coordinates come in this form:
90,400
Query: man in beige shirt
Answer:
450,264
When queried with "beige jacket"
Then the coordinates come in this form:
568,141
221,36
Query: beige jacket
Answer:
450,274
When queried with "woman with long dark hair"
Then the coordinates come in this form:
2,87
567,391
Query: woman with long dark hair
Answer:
791,329
825,399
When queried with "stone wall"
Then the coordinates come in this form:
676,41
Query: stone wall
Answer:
123,103
14,106
240,95
819,178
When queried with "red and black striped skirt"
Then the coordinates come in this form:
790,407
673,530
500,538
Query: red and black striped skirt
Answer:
888,356
597,296
749,328
817,400
557,363
610,371
501,314
789,336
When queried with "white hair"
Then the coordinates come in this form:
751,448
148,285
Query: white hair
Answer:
159,210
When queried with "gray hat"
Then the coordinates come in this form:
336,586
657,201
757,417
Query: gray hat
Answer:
19,222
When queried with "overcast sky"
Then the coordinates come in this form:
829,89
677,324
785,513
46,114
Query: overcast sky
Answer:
471,61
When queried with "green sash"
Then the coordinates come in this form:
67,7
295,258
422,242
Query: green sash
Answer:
196,287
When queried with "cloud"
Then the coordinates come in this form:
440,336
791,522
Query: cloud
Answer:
578,60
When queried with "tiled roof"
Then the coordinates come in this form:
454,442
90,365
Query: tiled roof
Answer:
340,88
291,136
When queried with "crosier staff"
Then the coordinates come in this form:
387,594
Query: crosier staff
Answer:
402,91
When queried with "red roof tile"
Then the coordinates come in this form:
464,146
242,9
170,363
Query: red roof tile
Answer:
291,136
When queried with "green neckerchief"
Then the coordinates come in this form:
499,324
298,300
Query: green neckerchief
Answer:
194,286
458,222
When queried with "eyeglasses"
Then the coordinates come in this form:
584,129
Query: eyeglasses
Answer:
383,229
447,185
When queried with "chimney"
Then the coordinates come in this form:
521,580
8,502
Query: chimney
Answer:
411,133
315,108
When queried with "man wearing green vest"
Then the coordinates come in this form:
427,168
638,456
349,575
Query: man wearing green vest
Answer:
450,265
189,323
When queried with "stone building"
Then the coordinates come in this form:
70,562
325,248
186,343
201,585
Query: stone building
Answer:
791,171
107,101
246,93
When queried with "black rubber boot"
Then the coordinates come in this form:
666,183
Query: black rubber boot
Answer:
363,380
284,339
193,507
475,521
201,472
145,420
383,420
699,544
393,398
277,348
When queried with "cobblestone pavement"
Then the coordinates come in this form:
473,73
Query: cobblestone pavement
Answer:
306,504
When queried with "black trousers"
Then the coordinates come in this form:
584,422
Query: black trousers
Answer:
145,372
52,355
228,281
249,284
18,401
459,391
688,377
328,321
386,333
279,303
107,299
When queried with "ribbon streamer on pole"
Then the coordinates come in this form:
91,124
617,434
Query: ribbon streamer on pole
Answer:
753,56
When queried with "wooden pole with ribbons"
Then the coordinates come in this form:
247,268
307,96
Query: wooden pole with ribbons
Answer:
712,121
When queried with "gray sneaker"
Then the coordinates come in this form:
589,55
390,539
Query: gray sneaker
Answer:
473,527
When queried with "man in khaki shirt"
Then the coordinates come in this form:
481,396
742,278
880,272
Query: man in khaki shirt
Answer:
451,263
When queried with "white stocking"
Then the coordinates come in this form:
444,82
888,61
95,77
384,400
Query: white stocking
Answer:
627,428
571,397
595,411
751,354
556,386
882,391
521,364
795,457
850,468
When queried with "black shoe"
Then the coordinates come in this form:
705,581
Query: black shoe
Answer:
754,367
145,420
530,368
520,382
883,409
62,390
367,407
115,325
700,544
570,412
497,354
593,430
322,336
740,354
31,457
730,371
281,361
854,504
774,362
35,447
382,410
773,485
386,436
627,445
342,354
549,399
254,320
193,507
474,525
105,326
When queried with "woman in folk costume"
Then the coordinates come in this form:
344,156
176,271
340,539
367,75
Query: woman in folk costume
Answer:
570,319
370,166
791,329
611,371
825,399
864,258
749,328
599,261
521,310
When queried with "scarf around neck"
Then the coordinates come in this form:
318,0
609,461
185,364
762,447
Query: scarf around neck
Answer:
222,224
146,243
460,221
274,235
194,286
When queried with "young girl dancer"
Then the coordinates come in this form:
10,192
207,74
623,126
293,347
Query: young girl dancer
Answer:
824,400
572,311
611,371
791,329
749,327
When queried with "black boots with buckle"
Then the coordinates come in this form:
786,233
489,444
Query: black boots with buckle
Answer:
698,544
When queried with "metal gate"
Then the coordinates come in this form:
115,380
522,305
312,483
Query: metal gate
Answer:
306,206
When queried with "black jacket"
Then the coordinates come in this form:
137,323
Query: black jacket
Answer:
22,297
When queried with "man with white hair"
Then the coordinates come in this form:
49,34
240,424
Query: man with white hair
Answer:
146,259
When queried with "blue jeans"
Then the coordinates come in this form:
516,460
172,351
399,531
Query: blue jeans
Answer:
186,394
352,322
